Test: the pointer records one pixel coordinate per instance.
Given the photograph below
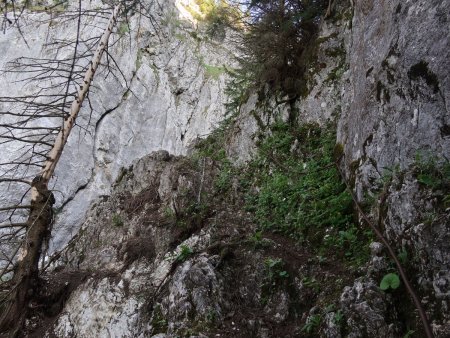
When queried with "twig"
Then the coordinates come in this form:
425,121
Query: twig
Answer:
201,182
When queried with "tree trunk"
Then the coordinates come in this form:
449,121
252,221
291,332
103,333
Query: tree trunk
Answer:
26,272
40,218
61,139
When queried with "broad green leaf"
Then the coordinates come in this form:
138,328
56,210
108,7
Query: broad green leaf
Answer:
391,280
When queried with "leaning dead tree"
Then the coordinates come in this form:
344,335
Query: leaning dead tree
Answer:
35,127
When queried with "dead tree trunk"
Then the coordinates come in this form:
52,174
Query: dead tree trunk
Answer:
40,218
26,272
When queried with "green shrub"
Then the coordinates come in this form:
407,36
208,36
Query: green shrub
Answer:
159,322
312,283
117,220
184,254
300,193
293,189
257,240
275,270
338,318
276,276
431,172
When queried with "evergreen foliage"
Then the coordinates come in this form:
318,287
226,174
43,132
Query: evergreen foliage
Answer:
218,14
280,43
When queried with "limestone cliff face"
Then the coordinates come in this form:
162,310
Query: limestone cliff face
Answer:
146,264
396,123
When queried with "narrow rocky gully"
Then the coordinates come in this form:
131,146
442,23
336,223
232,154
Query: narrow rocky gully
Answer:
252,168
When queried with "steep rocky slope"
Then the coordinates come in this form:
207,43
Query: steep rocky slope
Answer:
168,253
175,248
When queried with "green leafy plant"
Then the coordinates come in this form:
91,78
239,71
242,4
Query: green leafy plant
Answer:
409,334
432,172
184,254
159,322
117,220
275,271
338,317
223,180
211,316
403,256
258,241
312,323
312,283
390,281
168,212
300,193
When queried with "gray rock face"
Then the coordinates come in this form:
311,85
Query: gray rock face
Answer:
398,98
101,307
332,330
195,294
366,308
397,103
129,259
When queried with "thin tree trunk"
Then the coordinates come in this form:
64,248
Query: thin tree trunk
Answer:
61,139
40,218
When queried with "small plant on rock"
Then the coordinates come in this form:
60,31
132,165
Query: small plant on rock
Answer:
159,322
257,240
432,172
390,281
312,283
338,318
168,212
184,254
312,323
275,271
117,220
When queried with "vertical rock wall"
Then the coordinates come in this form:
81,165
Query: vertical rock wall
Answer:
395,129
